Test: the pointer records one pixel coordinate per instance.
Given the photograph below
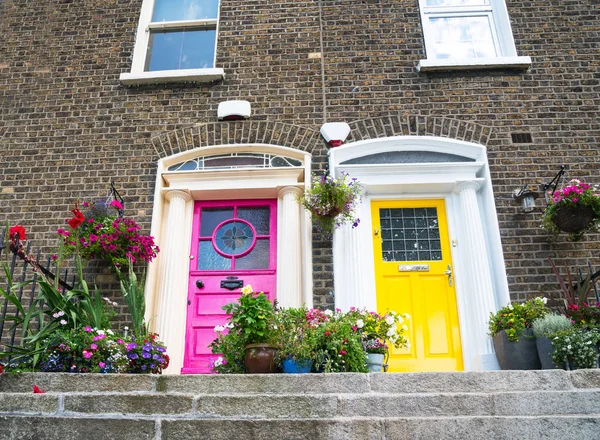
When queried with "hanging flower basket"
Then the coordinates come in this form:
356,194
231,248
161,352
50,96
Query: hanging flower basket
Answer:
332,202
575,209
574,218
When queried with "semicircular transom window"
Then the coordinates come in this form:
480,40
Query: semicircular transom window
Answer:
236,160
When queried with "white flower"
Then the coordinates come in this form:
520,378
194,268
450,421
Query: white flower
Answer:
63,322
510,306
247,289
568,347
115,304
406,316
219,328
400,320
328,313
360,323
110,332
100,332
391,331
404,327
229,325
389,320
274,327
218,362
56,315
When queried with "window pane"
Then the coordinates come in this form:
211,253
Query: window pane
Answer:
462,37
211,217
259,217
176,50
234,238
210,259
258,258
458,2
172,10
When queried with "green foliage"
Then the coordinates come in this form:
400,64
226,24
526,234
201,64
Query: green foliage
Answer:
550,324
576,347
252,316
514,318
294,336
133,292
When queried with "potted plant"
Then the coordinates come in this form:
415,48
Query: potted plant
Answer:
543,330
576,348
332,202
513,338
296,340
574,209
252,319
376,350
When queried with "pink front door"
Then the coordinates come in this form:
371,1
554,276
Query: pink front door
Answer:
233,244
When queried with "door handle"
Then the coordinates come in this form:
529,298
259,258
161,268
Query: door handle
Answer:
449,273
199,284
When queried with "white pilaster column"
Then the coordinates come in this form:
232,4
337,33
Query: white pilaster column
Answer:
480,290
289,256
173,276
353,264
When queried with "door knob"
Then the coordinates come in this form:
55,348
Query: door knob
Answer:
199,284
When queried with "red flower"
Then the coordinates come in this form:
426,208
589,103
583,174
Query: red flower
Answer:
36,390
17,230
1,368
77,219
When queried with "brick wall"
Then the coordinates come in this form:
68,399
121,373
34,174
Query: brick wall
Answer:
68,127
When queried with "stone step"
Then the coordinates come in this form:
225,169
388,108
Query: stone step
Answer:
465,382
66,427
305,406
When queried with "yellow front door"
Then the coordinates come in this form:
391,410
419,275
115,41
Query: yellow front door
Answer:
413,274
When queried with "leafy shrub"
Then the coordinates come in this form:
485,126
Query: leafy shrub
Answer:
550,324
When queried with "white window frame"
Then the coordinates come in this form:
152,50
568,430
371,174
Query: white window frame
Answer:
138,75
502,36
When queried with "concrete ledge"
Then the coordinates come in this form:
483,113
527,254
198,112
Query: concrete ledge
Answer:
517,63
72,428
545,403
585,378
75,382
266,383
28,403
173,76
264,407
470,381
128,404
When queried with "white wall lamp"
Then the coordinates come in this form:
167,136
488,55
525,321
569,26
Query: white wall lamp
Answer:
335,133
526,198
234,110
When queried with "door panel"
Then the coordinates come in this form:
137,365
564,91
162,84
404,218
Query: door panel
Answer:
233,244
412,258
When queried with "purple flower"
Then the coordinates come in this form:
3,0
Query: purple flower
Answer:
87,354
132,356
131,346
88,329
146,355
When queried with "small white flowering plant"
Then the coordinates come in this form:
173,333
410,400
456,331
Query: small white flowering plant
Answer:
575,348
378,329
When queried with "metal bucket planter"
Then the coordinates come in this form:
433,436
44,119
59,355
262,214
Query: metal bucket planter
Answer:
521,355
375,362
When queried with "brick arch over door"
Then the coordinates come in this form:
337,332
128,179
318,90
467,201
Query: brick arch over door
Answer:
239,132
403,125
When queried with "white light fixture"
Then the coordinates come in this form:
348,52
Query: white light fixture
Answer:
526,198
335,133
233,110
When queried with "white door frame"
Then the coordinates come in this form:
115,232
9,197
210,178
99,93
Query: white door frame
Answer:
478,261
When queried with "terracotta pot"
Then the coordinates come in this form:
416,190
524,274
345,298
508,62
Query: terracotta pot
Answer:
521,355
573,219
260,359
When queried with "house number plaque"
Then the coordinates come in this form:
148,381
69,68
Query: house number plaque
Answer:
413,268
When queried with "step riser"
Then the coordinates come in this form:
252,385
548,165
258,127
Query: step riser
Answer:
497,428
478,382
307,406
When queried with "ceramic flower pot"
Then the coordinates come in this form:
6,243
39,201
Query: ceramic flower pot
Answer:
375,362
291,366
545,348
260,359
521,355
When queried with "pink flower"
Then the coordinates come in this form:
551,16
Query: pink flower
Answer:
88,329
101,364
343,352
93,347
87,354
116,204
